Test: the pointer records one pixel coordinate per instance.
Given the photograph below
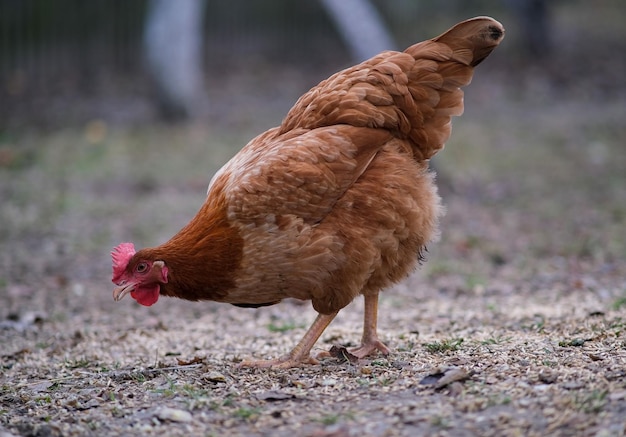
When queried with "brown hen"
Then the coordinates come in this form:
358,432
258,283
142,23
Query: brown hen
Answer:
334,203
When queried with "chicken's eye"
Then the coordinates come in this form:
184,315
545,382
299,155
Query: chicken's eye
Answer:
141,267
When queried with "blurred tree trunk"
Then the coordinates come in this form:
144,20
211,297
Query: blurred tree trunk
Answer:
534,18
361,27
173,51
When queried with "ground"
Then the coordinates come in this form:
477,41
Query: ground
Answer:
515,325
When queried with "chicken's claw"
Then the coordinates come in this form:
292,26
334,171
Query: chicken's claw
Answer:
357,353
368,348
301,353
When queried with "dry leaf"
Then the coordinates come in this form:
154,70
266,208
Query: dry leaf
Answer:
194,360
343,353
441,378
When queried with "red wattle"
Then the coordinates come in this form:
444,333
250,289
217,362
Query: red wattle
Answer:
146,296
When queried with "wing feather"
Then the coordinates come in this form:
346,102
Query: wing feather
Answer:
301,175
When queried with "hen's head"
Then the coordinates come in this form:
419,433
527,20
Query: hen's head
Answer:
137,275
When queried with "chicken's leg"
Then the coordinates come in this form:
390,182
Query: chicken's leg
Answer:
370,341
301,353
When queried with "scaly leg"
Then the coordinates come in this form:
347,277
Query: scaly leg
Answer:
301,353
370,341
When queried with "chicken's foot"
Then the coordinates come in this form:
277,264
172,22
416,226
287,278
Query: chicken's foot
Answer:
370,342
300,354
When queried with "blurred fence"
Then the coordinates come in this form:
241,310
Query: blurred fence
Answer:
53,55
60,58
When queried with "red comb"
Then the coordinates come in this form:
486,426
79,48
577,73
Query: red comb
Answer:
121,255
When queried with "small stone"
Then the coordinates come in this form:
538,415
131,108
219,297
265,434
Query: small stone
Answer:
215,377
42,386
173,415
573,385
299,383
274,396
92,403
618,395
366,370
455,389
548,376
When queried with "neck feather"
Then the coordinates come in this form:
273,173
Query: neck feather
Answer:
204,256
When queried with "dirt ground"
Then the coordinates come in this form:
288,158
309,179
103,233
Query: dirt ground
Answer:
515,325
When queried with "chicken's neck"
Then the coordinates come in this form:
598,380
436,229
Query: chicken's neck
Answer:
203,257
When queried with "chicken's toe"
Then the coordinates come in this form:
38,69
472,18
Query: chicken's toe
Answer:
369,348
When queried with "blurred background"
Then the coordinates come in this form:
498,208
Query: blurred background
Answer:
114,115
123,63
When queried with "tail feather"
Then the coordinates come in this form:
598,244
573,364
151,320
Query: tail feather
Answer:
413,93
473,40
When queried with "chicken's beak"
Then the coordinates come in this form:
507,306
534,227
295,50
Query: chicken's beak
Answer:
122,290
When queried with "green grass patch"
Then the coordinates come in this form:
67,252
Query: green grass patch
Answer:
443,346
284,326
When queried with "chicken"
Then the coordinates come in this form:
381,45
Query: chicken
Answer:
336,202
